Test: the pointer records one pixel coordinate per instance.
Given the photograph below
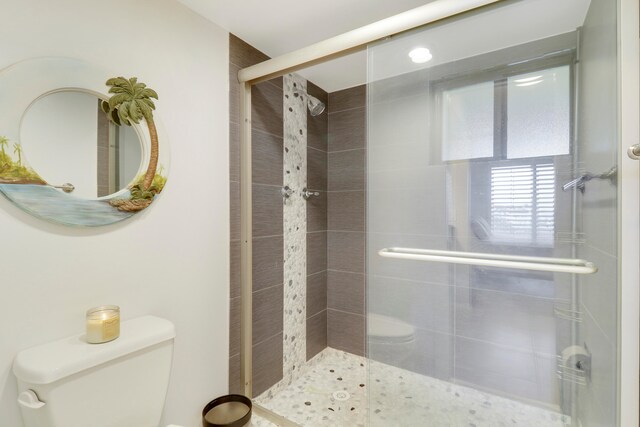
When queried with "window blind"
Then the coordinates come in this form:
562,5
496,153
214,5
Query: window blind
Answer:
522,204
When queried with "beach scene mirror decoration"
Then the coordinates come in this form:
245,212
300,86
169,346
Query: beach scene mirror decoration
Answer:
77,148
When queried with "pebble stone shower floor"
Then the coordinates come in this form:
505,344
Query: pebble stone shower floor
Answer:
399,398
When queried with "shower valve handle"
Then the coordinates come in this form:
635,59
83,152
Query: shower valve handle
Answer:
308,194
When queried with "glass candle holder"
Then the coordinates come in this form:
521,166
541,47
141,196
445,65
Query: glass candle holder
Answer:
103,324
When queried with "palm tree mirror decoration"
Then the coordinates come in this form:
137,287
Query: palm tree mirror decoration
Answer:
132,101
4,142
87,135
17,150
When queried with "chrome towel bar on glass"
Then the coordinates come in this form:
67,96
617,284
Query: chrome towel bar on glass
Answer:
557,265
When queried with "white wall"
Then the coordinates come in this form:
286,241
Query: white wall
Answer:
171,260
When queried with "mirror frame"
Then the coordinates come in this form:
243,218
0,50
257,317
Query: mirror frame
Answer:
26,82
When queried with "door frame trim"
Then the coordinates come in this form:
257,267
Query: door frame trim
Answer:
628,211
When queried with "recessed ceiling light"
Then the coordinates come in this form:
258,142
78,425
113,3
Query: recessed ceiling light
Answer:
529,83
420,55
528,79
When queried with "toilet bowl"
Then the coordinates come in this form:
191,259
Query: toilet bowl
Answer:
391,341
122,383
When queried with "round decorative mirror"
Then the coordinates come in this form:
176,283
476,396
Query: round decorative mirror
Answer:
68,139
77,147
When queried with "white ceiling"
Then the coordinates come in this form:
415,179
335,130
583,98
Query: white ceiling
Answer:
280,26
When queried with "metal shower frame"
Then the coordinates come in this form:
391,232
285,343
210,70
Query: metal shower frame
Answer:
357,40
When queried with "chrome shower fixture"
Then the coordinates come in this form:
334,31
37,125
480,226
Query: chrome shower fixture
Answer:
316,107
580,181
307,194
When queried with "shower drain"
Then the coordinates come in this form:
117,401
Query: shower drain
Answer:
341,395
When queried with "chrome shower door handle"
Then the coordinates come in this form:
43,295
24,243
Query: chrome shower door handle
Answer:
634,152
554,265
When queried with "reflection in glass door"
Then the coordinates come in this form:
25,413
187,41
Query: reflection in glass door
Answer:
493,150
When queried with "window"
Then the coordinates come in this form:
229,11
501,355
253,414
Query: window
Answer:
467,131
538,114
536,108
510,128
523,203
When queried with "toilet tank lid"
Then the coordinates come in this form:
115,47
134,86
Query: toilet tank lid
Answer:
47,363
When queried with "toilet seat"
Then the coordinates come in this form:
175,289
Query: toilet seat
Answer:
388,330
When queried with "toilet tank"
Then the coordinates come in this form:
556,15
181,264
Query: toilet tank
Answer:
122,383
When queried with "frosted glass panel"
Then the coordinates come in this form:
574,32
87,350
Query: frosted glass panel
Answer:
468,122
538,114
469,153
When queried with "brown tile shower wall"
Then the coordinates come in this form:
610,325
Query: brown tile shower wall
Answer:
267,223
346,220
317,128
267,157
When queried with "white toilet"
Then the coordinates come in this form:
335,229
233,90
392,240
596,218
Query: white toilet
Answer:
123,383
391,341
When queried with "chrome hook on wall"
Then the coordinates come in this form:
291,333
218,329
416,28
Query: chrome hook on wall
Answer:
581,181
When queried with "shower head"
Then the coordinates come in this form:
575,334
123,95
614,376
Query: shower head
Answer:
316,107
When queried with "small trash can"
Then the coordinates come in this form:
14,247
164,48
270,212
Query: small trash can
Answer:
232,410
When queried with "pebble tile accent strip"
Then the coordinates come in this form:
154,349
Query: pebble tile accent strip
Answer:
295,226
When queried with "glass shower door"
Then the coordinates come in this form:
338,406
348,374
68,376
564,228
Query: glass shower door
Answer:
491,219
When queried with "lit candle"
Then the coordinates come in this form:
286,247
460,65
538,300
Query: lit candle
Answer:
103,324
